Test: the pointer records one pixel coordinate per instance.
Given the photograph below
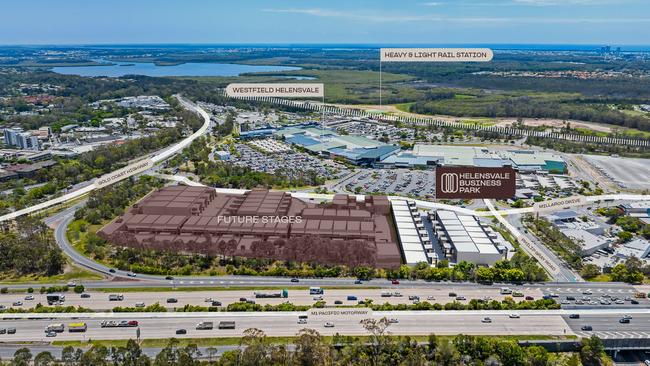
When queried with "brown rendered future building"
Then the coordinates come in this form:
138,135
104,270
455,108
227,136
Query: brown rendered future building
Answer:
260,224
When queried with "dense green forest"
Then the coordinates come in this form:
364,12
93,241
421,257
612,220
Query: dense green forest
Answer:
29,248
531,105
310,348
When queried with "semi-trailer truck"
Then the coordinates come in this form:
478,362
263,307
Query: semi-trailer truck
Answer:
262,295
55,298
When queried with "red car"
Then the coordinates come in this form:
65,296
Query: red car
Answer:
395,282
529,298
133,323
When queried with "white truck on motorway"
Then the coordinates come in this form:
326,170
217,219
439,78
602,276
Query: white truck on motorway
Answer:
269,295
205,326
57,327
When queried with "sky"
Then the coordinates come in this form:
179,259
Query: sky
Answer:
618,22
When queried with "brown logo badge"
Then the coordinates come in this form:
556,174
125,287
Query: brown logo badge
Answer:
469,183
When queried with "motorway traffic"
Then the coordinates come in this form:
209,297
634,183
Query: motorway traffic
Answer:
184,325
611,298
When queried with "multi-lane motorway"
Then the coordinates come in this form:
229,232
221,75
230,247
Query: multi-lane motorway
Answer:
165,325
605,323
399,294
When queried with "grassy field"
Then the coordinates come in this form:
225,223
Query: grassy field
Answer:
601,278
75,273
350,86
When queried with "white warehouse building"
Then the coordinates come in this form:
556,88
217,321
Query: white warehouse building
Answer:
464,238
412,236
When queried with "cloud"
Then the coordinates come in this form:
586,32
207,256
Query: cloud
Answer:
564,2
381,17
374,17
431,3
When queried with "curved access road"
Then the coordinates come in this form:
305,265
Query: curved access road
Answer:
121,174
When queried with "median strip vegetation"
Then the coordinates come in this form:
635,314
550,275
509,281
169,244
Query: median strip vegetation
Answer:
248,306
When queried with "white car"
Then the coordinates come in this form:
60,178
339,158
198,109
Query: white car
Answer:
139,305
513,316
329,325
302,321
487,319
430,298
318,298
29,297
393,321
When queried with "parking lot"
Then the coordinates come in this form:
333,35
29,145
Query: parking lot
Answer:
417,183
390,133
289,163
626,172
